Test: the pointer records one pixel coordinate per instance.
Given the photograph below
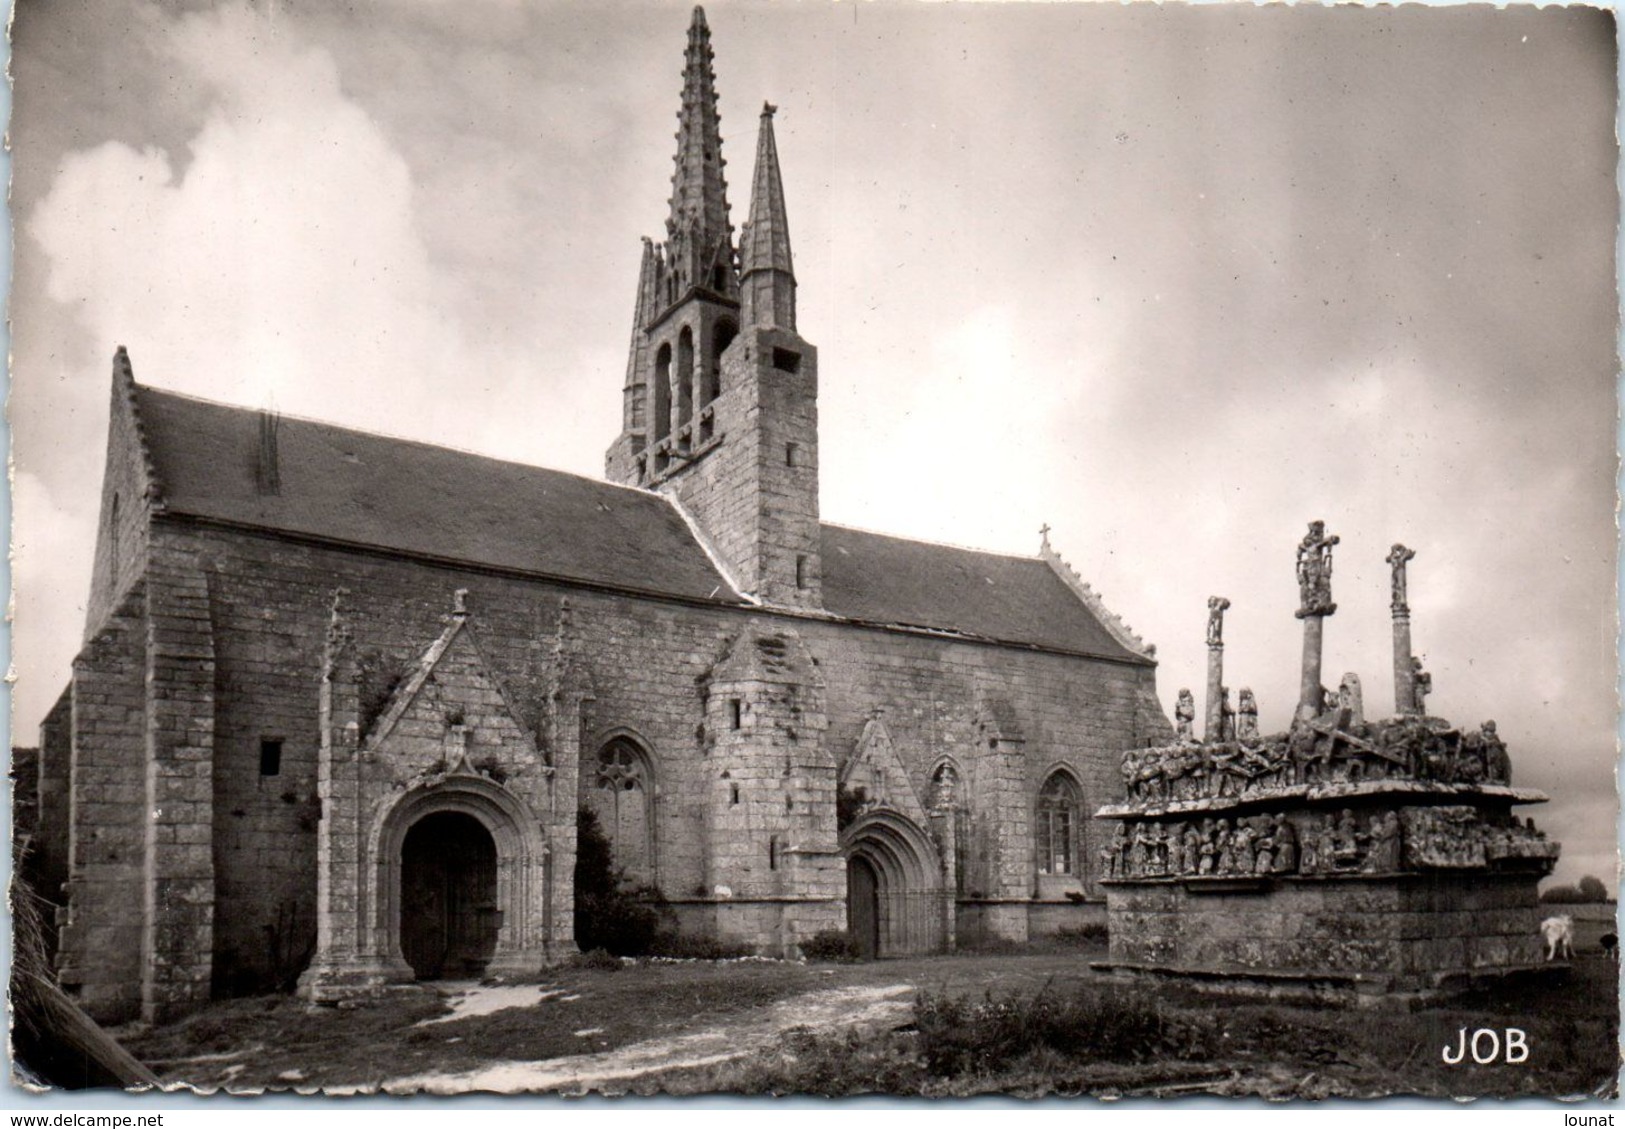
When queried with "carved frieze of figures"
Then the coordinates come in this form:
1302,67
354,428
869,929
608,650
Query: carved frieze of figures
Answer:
1458,836
1250,846
1326,751
1324,843
1315,571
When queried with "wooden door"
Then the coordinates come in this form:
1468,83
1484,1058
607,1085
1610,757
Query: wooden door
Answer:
863,907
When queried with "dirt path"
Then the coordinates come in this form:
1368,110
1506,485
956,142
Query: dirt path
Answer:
833,1009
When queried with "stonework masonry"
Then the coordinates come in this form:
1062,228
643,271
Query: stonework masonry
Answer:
657,669
342,698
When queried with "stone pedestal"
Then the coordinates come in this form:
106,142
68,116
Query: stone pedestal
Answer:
1374,861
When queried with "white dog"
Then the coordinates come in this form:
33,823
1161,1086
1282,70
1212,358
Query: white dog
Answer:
1559,934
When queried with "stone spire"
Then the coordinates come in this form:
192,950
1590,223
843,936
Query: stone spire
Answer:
698,231
767,281
633,393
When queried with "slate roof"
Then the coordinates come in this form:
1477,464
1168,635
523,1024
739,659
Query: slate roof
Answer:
871,576
397,494
360,488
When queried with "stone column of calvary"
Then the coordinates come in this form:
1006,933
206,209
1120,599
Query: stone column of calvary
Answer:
1404,662
1213,729
1314,605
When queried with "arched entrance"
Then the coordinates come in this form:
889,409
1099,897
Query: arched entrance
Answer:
462,880
896,903
863,906
449,914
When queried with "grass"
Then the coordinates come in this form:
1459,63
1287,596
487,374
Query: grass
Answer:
1025,1024
328,1046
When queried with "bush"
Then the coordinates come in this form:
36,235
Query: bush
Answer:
681,947
1088,934
830,944
600,960
1088,1024
1562,895
610,914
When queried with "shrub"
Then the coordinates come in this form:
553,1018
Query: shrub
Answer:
600,960
681,947
610,914
830,944
959,1036
1562,895
1089,933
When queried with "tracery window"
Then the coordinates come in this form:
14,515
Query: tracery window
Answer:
622,796
947,796
1058,826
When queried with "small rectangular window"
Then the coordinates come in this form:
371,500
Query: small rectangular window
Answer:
733,793
790,454
773,853
270,756
801,572
734,713
787,361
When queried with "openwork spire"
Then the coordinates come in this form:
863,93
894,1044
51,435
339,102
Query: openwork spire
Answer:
767,281
699,198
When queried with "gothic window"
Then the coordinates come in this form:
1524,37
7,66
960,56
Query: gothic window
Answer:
662,393
947,796
1058,825
621,795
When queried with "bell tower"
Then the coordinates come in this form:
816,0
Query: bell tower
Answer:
720,405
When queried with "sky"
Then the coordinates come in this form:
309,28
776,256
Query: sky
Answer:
1174,281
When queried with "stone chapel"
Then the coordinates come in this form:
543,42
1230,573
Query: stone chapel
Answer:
341,697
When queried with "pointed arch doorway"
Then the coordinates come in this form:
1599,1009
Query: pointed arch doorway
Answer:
449,915
863,906
896,903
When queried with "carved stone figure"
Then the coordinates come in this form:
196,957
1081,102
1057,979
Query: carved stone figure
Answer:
1176,849
1157,850
1350,702
1309,855
1384,854
1315,571
1137,852
1193,849
1286,847
1242,846
1227,716
1346,840
1247,717
1264,851
1422,686
1185,716
1210,848
1497,765
1225,843
1216,607
1397,556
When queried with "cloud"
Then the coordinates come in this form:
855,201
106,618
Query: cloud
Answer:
280,255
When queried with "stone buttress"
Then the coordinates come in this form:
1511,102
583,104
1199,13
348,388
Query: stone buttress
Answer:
773,867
